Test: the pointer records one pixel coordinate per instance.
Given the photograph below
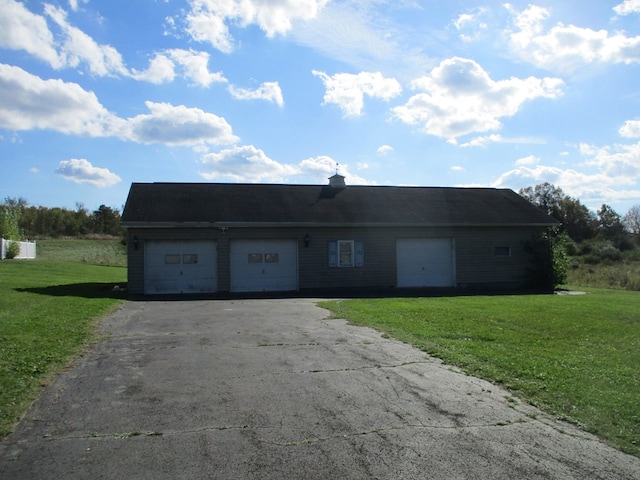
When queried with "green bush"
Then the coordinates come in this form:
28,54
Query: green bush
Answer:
13,250
599,251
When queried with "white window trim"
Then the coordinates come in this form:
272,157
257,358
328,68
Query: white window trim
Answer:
357,253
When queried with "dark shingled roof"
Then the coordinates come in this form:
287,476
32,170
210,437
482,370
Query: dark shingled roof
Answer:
222,204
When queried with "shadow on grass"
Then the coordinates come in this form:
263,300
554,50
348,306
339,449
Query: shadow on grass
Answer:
82,290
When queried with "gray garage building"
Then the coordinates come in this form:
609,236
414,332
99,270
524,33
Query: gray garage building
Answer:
229,237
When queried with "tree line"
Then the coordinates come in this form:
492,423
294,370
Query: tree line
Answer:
580,223
19,221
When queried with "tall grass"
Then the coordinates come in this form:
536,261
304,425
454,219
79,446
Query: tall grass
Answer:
606,268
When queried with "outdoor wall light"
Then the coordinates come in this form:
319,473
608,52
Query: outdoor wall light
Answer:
306,240
135,242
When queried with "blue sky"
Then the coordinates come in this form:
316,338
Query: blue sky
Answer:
96,94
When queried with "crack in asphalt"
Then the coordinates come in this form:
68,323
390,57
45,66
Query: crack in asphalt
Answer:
250,428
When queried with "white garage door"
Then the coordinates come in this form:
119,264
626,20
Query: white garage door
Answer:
425,262
180,267
264,265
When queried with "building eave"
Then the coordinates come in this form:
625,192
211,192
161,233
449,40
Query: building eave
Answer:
225,225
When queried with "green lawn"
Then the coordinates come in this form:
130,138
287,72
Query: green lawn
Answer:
48,312
576,357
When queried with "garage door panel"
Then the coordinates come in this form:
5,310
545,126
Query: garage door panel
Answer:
180,267
264,265
425,262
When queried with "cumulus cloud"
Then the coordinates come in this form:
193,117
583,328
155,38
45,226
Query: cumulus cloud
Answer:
245,164
630,129
384,149
22,30
82,171
567,47
606,174
31,103
528,160
78,47
269,91
250,164
627,7
320,168
471,25
458,97
347,90
209,20
179,125
193,66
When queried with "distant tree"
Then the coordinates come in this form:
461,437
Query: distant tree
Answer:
609,222
631,221
10,212
545,196
576,219
106,220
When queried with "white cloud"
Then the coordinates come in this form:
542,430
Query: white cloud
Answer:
178,125
269,91
320,168
78,47
529,160
194,66
627,7
593,189
385,149
161,70
209,20
630,129
470,25
457,168
459,98
245,164
22,30
73,4
484,140
567,47
609,170
250,164
618,161
347,90
31,103
81,171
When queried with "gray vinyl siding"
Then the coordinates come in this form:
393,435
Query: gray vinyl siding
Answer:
476,264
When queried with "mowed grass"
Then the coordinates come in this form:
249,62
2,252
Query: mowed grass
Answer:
575,357
48,312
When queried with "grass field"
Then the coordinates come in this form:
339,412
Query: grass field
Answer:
576,357
48,308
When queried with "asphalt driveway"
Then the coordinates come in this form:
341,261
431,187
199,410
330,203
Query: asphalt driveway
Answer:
275,389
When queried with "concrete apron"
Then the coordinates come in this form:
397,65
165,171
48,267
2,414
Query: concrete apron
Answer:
274,389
